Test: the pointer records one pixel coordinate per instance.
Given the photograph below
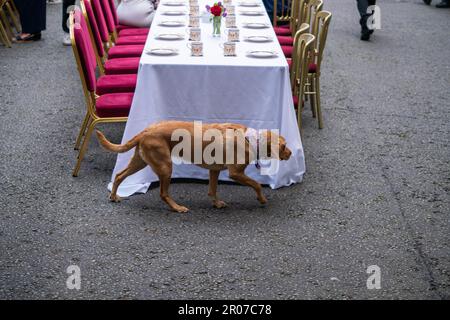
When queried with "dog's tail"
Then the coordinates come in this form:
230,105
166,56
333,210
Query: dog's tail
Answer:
117,148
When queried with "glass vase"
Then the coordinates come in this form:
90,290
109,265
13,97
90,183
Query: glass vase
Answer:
216,26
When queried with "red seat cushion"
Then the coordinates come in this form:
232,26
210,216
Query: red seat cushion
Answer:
286,40
287,50
282,30
125,51
116,83
122,66
130,40
312,68
289,62
133,32
114,105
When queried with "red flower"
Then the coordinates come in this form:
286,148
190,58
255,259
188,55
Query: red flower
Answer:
216,11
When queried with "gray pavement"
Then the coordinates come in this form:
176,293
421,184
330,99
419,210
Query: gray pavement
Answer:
376,190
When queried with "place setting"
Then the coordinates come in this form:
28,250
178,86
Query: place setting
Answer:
172,23
174,3
258,38
162,51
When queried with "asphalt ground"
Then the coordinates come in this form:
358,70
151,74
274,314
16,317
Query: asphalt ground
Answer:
376,191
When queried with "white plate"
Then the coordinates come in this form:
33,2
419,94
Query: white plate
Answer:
251,13
249,4
256,25
262,54
171,23
162,51
174,3
173,13
258,39
170,36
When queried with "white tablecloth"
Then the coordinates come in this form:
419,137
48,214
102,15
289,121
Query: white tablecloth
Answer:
213,88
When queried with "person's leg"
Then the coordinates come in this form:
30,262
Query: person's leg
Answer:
443,4
65,15
32,19
363,5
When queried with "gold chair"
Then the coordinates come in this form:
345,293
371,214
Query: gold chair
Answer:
295,14
94,114
311,8
320,31
303,49
6,31
285,14
304,28
14,14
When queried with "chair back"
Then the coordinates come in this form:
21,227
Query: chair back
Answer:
109,17
100,19
112,5
83,51
311,9
305,47
304,28
320,31
282,11
88,13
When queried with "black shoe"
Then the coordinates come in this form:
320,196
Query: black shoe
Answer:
443,4
31,37
365,36
427,2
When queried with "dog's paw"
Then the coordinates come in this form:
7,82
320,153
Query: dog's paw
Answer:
219,204
115,198
181,209
262,200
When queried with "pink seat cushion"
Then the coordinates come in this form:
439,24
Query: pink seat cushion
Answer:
127,40
289,62
282,31
287,50
130,31
125,51
285,40
117,83
312,68
122,66
114,105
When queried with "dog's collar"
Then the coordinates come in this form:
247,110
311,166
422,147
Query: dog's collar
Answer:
252,137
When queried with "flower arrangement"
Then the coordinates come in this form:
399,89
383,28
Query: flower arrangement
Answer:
217,12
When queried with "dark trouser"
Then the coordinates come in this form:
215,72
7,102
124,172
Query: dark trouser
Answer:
32,15
65,15
362,8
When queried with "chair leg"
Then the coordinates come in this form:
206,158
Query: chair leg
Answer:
318,107
4,35
14,18
6,24
83,148
82,131
313,96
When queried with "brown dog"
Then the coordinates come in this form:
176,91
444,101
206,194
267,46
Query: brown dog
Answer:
155,144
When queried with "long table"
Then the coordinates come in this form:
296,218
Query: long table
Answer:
214,89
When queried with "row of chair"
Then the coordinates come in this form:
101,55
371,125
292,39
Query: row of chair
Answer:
302,27
9,18
107,56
